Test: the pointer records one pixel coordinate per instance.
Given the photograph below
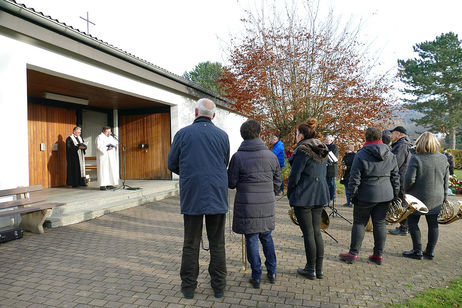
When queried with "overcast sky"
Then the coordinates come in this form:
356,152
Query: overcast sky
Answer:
178,34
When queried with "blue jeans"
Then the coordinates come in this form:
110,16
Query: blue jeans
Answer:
253,255
346,193
282,184
332,187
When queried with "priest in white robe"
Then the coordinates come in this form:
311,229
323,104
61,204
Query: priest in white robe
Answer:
107,159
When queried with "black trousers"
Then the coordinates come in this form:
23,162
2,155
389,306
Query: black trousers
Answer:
215,225
309,220
361,213
433,232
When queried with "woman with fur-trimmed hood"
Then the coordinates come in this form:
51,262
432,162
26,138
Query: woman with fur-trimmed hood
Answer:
308,193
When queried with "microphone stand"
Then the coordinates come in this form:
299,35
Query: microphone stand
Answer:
125,149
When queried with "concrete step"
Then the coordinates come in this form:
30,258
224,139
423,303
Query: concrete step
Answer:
89,202
78,212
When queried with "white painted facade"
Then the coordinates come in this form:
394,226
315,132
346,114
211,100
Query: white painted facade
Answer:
17,56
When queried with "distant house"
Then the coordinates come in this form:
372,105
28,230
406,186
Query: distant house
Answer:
54,77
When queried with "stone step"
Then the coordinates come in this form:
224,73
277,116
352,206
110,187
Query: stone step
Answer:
79,211
86,203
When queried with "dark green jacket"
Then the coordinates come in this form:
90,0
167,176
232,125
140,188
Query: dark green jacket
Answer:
307,185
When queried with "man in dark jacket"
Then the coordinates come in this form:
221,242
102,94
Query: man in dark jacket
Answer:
200,155
255,173
374,182
401,147
278,150
451,161
332,167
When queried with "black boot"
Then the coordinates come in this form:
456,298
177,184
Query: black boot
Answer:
307,272
413,254
428,253
319,273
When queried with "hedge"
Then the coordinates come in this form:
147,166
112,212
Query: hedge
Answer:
457,157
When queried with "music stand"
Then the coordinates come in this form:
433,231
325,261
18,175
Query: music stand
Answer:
125,149
334,211
325,232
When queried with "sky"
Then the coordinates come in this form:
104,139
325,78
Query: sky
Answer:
178,34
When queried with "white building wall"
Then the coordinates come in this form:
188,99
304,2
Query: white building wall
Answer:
14,159
17,56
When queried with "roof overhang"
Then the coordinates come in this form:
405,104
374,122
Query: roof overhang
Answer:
22,23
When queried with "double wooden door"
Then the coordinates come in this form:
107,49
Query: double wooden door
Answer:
48,128
138,161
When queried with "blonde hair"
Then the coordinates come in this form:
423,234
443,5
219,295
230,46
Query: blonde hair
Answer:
427,143
350,147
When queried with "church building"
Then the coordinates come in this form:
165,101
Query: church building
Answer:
54,77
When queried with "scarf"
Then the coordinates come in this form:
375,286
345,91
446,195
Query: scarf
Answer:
79,153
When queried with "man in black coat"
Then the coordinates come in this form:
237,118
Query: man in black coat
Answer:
332,166
255,173
200,155
401,147
75,151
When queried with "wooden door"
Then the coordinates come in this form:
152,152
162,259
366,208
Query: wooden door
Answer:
145,163
50,126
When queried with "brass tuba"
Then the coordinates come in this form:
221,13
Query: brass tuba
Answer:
400,209
324,218
450,212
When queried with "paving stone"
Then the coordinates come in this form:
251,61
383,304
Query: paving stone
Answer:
132,258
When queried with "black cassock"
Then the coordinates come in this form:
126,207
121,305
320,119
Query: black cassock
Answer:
74,177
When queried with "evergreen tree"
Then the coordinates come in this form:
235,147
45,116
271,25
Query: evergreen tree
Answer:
434,84
206,75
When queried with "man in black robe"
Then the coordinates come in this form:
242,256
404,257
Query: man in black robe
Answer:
75,151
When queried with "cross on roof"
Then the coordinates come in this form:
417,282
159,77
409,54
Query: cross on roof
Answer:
88,23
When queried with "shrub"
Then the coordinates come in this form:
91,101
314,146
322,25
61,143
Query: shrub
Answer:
457,157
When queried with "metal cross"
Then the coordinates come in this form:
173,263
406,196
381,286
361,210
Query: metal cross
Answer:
88,23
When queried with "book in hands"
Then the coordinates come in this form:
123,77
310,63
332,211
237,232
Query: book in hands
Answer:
109,146
82,146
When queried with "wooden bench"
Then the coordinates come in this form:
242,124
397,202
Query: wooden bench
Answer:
33,215
90,163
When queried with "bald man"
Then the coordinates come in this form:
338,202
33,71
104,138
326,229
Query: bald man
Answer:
200,156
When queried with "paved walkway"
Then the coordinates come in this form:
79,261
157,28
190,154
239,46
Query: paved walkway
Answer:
131,259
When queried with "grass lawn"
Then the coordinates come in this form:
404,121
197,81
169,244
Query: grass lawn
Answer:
458,173
449,296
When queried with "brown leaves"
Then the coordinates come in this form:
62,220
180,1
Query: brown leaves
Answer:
282,74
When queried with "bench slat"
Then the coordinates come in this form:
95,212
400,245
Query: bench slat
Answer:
23,210
19,190
29,209
13,203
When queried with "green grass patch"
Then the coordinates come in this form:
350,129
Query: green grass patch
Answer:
448,296
340,188
458,173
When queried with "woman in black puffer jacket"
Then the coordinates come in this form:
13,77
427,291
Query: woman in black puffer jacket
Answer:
255,173
308,193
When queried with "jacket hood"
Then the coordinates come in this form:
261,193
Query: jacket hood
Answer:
252,145
404,139
379,151
313,148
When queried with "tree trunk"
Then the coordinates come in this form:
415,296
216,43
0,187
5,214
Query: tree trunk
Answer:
452,138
